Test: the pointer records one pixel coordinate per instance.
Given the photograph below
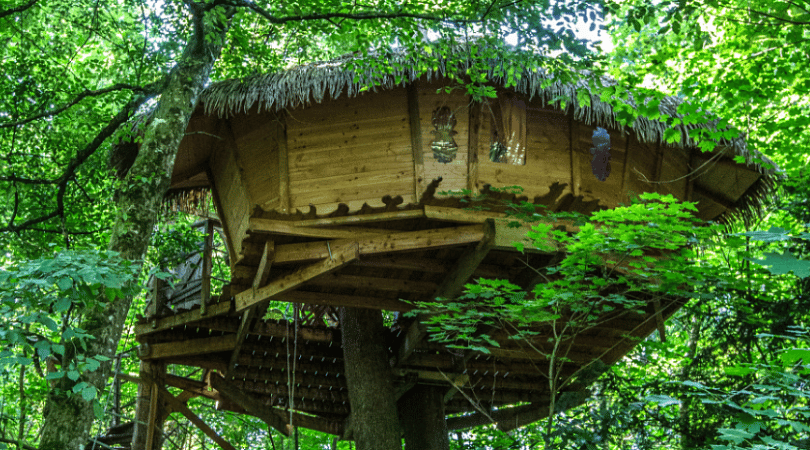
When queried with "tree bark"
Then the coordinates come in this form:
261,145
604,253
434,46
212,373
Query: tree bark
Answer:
68,418
369,380
422,415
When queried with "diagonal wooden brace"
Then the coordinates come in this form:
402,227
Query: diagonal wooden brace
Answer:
251,405
339,257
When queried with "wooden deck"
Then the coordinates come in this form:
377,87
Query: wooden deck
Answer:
267,367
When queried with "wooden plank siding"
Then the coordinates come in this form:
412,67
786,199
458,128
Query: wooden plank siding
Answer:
257,146
547,153
642,168
351,150
232,193
609,192
454,173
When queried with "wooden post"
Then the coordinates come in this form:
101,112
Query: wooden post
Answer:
205,295
117,391
148,433
422,417
283,167
416,140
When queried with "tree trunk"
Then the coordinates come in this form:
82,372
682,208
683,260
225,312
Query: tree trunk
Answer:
150,372
68,418
369,380
683,415
422,415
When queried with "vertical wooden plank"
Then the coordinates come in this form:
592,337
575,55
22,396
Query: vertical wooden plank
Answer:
659,162
283,166
626,166
472,146
117,391
208,247
690,179
150,409
575,159
157,300
153,404
416,140
223,218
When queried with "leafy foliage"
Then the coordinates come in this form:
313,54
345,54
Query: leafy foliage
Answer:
38,294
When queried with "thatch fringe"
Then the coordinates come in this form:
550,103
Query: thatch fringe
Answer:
196,201
313,83
316,82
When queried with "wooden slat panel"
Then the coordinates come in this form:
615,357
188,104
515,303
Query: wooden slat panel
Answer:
363,129
381,104
351,151
363,162
609,192
674,168
391,175
256,138
642,165
454,173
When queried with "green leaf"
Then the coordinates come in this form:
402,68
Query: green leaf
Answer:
782,264
62,304
672,136
89,393
65,283
662,400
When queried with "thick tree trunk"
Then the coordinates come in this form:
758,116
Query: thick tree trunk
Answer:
370,380
68,418
422,414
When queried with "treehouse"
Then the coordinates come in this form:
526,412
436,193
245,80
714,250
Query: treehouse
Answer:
334,198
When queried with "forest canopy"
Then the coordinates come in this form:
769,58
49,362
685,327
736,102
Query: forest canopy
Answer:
730,370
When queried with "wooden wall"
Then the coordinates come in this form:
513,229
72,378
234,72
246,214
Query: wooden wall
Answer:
351,150
230,191
358,150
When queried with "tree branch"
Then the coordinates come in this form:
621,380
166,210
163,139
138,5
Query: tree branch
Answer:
332,15
81,156
20,8
76,100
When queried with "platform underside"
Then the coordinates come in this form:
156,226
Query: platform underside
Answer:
377,261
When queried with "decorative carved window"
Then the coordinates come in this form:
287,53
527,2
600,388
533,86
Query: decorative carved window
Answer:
508,142
600,165
444,146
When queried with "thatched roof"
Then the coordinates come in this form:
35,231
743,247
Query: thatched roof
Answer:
317,82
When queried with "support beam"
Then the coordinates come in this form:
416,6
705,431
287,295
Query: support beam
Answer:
353,301
207,257
388,243
453,284
251,313
269,226
362,218
250,404
180,407
191,347
338,257
182,319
